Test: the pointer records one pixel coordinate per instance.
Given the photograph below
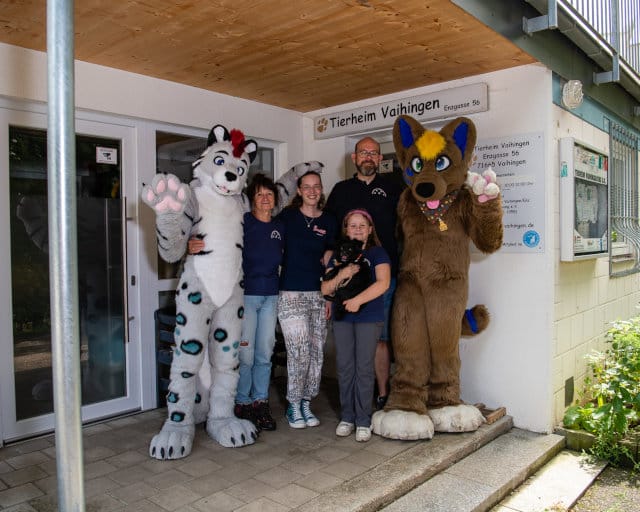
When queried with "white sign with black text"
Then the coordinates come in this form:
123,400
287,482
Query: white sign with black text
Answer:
459,101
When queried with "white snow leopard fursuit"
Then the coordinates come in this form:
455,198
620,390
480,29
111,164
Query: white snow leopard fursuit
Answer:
209,298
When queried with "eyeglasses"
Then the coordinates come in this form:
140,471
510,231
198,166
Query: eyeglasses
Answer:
307,188
363,153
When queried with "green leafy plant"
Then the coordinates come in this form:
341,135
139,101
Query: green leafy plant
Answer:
609,406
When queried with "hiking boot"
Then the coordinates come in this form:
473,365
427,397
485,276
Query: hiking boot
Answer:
294,416
262,415
309,418
245,412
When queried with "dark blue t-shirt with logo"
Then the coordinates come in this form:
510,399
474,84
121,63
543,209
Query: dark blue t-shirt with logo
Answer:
262,255
306,242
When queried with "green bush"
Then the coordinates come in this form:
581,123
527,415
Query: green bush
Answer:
609,405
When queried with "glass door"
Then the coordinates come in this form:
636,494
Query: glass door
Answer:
106,384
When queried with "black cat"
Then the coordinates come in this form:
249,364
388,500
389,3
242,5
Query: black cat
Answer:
348,251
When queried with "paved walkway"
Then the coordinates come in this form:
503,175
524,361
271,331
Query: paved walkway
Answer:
284,469
309,469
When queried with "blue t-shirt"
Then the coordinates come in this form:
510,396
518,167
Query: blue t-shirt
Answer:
306,242
262,255
372,311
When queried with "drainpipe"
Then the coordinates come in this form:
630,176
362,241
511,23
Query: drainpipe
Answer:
63,275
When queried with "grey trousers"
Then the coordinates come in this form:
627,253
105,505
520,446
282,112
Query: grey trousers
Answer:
355,356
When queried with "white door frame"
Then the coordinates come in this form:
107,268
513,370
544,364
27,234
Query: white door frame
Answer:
34,115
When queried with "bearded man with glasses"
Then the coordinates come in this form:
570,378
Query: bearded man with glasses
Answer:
370,191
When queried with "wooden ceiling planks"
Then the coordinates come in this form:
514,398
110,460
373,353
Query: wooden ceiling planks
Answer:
297,55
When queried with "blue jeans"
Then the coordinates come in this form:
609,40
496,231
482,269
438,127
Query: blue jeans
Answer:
256,347
388,302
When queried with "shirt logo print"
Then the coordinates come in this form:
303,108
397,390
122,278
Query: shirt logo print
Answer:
378,192
275,235
319,231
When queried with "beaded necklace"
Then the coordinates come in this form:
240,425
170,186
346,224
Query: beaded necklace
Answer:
436,214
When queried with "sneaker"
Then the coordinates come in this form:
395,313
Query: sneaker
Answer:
310,419
381,401
262,415
363,434
294,416
245,412
344,429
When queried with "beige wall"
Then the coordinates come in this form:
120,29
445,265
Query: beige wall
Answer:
586,299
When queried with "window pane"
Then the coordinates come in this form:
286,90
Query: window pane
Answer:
99,266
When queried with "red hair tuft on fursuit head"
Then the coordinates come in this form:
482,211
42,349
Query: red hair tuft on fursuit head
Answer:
237,141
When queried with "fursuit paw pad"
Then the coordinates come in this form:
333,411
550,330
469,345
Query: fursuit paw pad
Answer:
166,194
484,186
172,442
232,432
403,425
456,418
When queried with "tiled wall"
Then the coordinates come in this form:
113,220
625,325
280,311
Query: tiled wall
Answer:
587,300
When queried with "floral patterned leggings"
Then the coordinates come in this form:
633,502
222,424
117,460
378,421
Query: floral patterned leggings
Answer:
304,326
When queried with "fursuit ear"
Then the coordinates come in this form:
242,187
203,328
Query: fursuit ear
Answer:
250,147
218,134
406,130
463,132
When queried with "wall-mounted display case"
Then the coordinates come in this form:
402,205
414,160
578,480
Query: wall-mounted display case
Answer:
584,200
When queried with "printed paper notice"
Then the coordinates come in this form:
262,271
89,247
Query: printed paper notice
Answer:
518,162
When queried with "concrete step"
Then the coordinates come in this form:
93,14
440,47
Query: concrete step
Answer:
397,476
557,486
480,480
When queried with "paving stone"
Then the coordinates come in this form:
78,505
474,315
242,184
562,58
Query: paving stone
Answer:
23,476
20,494
208,484
278,477
134,492
218,502
21,507
199,467
102,503
175,497
263,505
28,459
249,490
319,481
292,495
344,469
97,486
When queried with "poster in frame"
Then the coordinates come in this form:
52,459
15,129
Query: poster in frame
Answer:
584,201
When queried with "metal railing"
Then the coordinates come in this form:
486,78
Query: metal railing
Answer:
617,22
624,210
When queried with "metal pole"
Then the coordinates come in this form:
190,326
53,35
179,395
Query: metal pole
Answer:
65,346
